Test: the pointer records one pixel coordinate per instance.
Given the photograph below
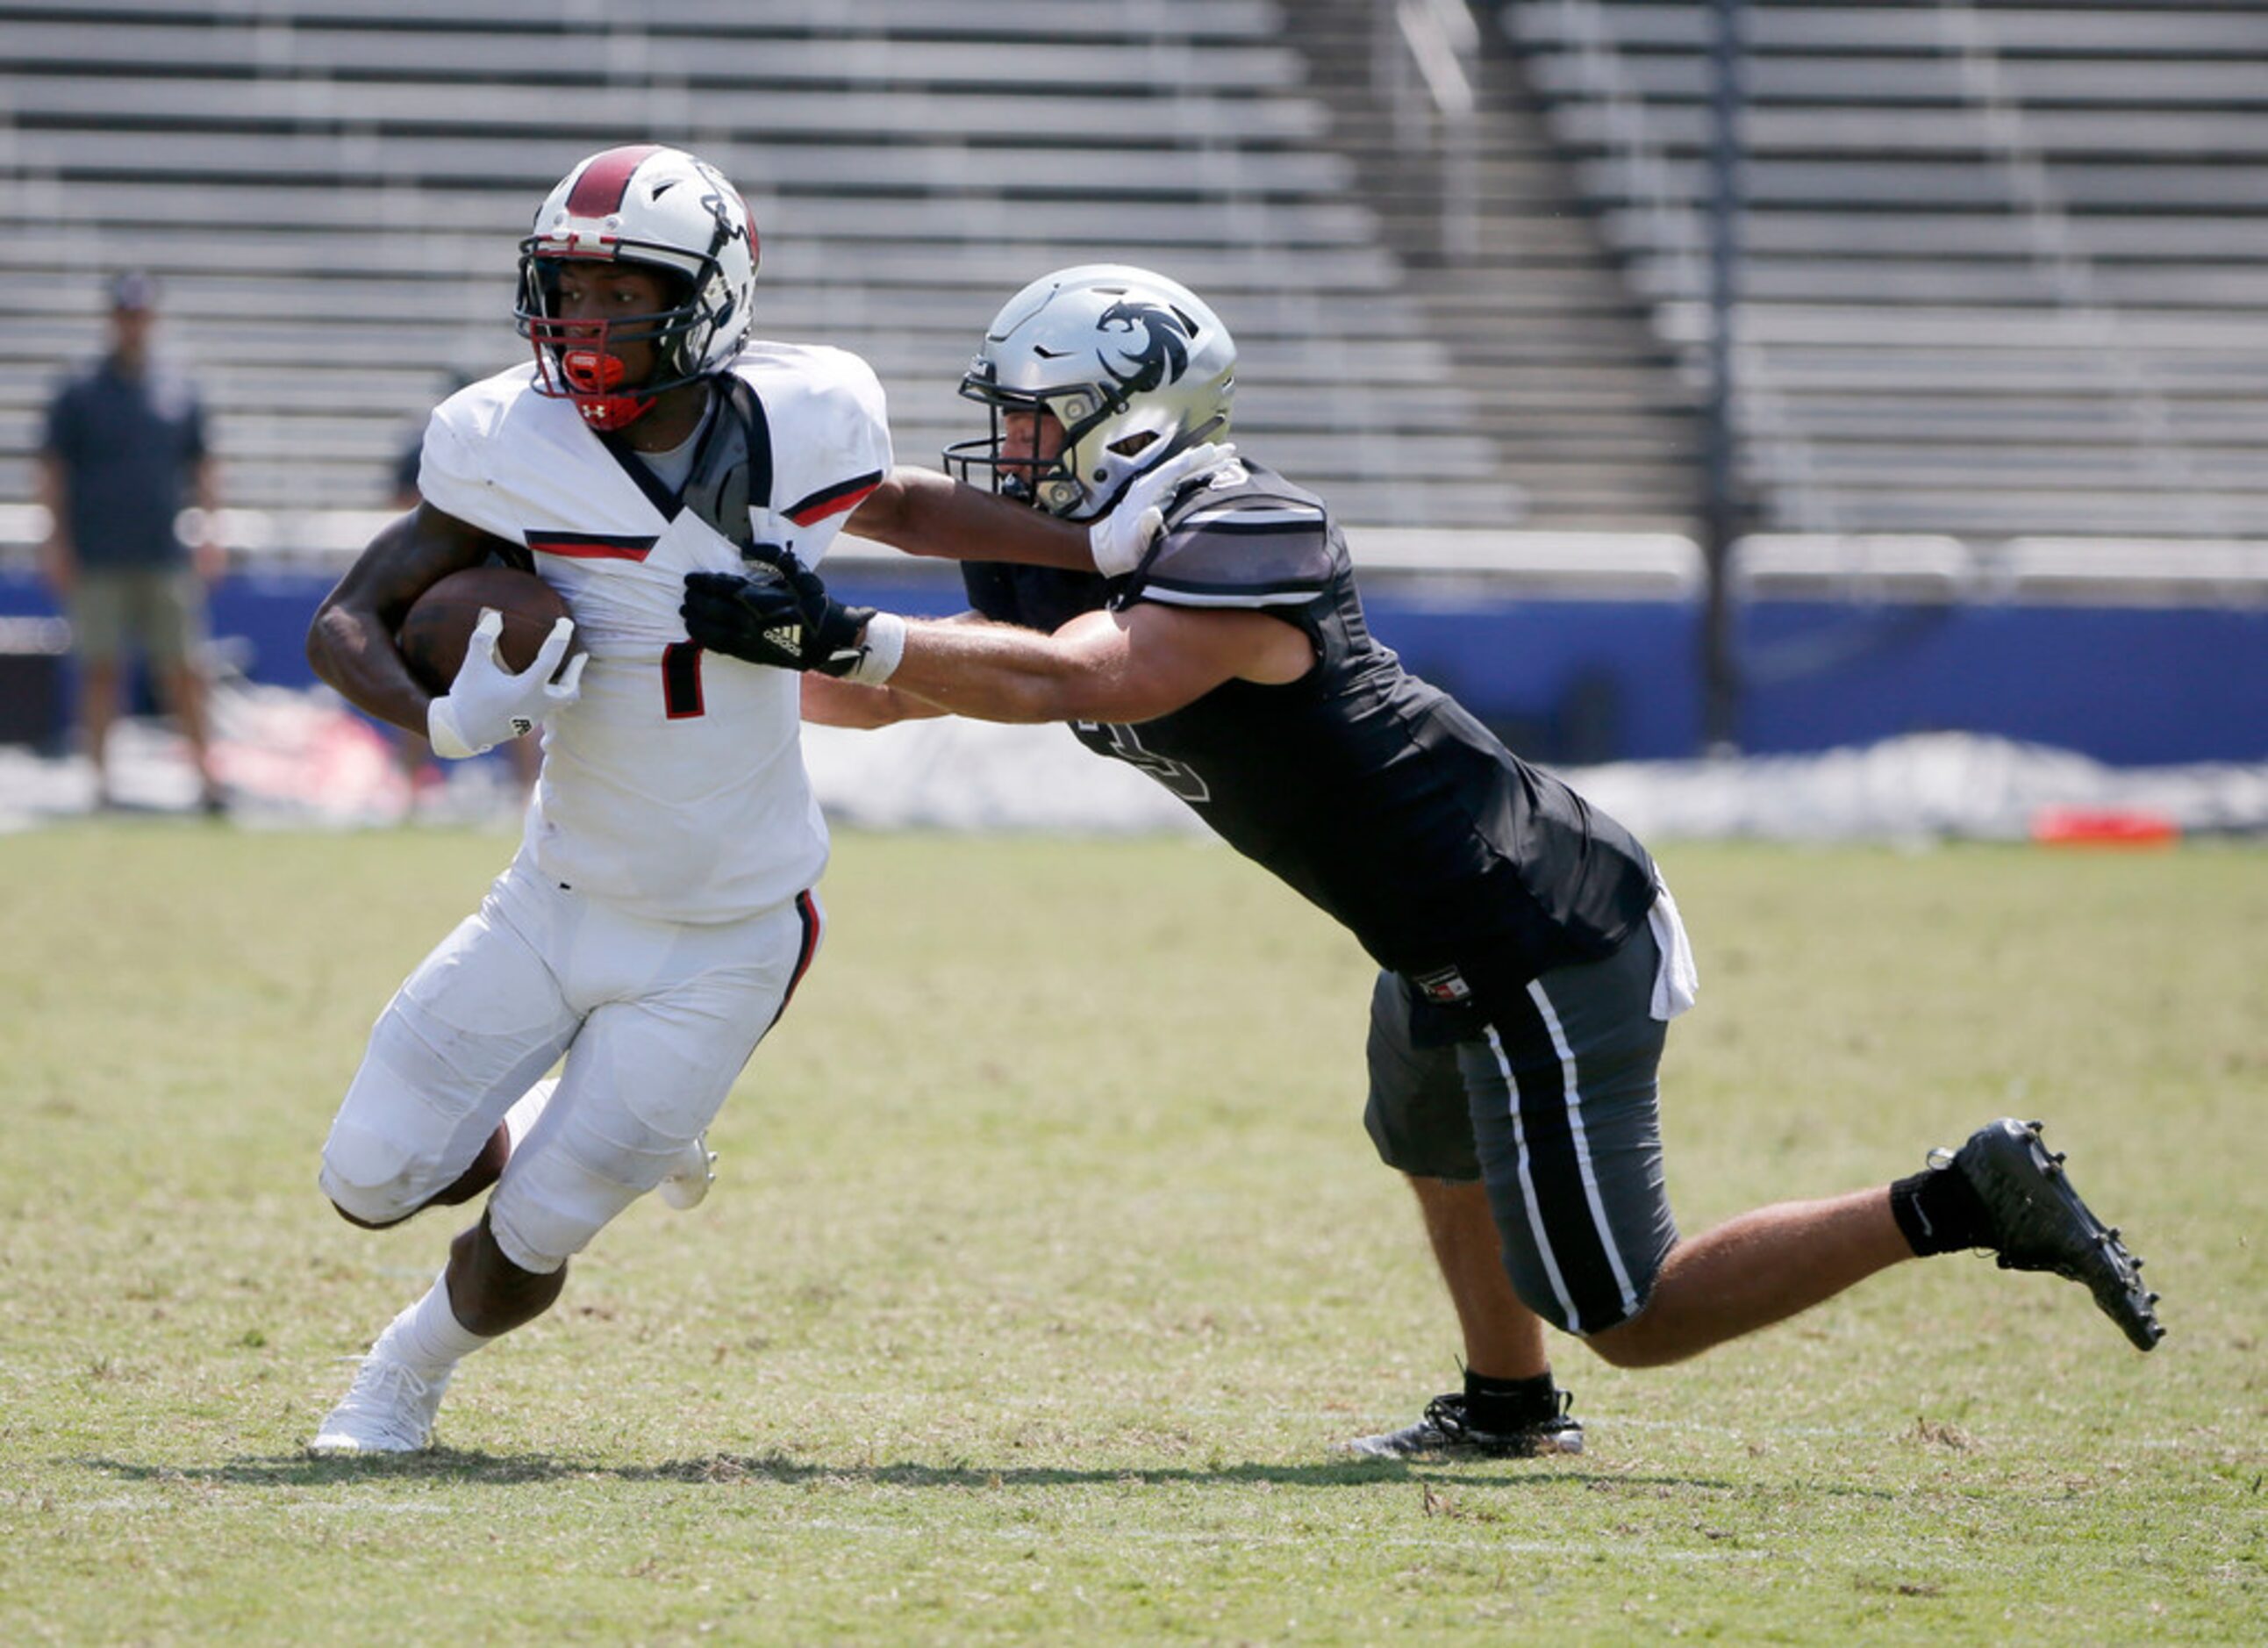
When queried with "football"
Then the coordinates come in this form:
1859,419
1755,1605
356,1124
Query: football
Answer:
439,624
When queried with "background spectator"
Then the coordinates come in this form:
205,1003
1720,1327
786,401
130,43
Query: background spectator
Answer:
124,451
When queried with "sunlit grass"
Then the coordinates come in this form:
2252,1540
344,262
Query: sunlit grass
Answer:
1050,1258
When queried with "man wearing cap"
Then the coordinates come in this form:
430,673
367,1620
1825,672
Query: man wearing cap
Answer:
124,452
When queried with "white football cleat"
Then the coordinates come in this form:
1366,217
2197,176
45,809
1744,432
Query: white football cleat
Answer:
689,1177
388,1409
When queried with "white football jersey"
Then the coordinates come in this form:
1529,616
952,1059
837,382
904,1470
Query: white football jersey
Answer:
674,788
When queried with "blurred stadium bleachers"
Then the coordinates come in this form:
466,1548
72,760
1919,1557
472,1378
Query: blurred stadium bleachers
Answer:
2002,340
2004,263
332,190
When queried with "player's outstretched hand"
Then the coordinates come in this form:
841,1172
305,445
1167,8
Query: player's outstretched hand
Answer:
778,613
487,703
1120,539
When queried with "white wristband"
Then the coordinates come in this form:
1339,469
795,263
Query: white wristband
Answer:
884,647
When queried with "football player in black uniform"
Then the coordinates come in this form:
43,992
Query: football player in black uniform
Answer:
1531,957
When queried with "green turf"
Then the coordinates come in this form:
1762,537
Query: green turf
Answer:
1049,1260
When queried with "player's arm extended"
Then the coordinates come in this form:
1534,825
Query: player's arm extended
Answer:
830,701
924,512
1115,667
350,642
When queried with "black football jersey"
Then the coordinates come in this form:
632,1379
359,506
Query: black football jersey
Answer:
1373,794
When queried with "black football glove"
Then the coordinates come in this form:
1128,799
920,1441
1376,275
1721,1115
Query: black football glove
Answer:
776,613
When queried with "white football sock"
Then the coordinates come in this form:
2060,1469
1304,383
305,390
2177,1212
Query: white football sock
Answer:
427,1338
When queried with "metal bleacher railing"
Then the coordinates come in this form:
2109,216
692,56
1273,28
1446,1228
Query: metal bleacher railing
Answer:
2004,263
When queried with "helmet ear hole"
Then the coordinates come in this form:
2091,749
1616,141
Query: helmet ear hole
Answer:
1141,440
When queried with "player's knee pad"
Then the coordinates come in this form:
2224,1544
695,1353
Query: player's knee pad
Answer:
1572,1283
370,1177
1549,1300
390,1150
567,1185
548,1206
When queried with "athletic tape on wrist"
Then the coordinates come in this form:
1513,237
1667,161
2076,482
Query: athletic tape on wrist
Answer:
885,647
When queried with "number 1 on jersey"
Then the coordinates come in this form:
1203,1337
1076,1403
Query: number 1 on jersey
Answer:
680,680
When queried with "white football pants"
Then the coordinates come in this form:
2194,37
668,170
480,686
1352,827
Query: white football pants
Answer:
656,1019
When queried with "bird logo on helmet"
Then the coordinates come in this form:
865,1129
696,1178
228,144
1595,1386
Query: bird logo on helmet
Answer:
1164,354
1134,365
656,209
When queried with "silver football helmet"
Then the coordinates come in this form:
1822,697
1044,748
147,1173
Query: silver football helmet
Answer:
1134,366
655,207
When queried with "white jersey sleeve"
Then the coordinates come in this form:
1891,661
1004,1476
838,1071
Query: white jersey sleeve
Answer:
454,475
829,432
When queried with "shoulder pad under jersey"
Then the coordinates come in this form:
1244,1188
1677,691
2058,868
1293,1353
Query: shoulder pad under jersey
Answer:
1260,543
491,446
828,425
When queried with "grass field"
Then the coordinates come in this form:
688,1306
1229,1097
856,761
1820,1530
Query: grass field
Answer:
1049,1260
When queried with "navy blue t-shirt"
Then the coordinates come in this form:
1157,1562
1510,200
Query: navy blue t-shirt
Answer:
129,446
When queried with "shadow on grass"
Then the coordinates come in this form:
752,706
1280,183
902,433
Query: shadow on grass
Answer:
726,1470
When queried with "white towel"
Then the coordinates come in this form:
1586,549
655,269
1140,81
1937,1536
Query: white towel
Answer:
1675,981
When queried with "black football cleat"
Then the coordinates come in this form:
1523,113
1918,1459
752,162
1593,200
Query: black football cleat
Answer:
1445,1433
2036,1221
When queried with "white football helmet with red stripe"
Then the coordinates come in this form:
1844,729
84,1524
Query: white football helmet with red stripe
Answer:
661,208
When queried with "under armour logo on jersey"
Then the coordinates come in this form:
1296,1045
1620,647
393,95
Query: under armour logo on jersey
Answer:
521,726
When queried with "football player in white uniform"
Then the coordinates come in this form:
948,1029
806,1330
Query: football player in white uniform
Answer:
660,911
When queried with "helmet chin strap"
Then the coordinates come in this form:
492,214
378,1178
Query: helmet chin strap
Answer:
590,374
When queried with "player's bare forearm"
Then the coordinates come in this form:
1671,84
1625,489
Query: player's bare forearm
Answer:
830,702
1090,670
924,512
350,642
991,672
1115,667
